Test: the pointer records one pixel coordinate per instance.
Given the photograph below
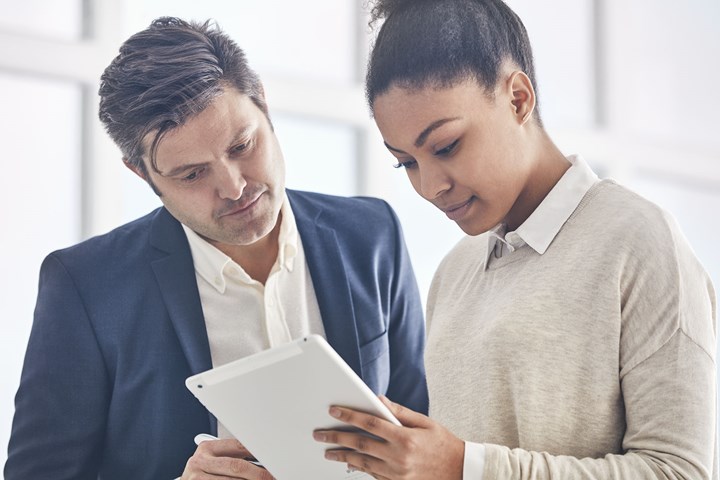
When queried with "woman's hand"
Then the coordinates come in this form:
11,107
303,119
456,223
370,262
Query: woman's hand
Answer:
420,449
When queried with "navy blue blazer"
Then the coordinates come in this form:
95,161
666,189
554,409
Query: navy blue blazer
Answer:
119,326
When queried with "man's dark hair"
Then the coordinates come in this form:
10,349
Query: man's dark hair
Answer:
165,75
440,42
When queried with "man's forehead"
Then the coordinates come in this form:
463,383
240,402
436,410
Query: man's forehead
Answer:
176,151
230,116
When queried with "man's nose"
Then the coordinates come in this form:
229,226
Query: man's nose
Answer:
231,182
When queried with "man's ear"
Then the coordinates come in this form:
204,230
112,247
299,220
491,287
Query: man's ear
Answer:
136,169
140,172
522,95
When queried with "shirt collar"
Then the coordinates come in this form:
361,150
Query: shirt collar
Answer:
543,225
211,264
287,237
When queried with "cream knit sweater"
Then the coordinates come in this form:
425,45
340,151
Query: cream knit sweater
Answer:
594,360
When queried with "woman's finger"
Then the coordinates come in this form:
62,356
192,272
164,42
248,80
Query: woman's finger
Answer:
359,461
370,423
407,417
358,441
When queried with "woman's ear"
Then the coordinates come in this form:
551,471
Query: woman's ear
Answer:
522,96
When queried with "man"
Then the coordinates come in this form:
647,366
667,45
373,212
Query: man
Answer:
232,264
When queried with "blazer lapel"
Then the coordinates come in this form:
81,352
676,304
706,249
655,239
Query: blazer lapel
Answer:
330,280
175,274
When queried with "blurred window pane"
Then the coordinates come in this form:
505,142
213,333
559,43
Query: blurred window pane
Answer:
562,42
662,56
138,199
40,212
314,41
44,18
319,156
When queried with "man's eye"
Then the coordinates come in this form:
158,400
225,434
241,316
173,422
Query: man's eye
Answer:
193,176
240,148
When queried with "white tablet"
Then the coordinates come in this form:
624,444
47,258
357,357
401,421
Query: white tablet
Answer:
272,402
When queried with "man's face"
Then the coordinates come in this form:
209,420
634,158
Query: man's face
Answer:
222,173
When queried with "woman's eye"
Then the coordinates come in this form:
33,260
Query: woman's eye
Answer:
405,164
447,150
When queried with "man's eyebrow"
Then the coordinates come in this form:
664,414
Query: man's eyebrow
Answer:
422,138
182,168
242,132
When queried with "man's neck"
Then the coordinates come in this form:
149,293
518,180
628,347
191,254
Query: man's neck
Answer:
257,259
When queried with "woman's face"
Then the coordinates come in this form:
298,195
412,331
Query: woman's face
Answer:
463,151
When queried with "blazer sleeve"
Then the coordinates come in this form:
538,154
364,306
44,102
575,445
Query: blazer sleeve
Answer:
61,404
406,331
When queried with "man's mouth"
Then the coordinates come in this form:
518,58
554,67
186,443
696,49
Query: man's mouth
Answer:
240,207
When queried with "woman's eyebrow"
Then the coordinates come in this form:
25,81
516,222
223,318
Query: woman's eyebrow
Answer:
422,138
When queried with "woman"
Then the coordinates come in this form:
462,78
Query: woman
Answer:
572,333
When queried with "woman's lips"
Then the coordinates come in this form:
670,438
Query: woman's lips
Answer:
456,212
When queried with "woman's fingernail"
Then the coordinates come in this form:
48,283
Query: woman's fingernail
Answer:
335,412
331,455
319,436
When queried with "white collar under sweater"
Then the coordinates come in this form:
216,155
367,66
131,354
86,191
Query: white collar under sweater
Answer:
541,227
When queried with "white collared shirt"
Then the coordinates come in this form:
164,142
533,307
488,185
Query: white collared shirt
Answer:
537,231
541,227
243,316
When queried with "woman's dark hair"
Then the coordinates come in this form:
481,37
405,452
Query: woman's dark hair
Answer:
166,74
440,42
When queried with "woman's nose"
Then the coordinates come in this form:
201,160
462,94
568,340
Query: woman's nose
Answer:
432,181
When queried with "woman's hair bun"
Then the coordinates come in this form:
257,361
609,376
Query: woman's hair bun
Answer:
381,9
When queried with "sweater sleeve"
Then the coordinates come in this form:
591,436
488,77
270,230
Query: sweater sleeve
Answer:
667,374
669,398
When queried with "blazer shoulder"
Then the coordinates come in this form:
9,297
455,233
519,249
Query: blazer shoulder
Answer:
100,250
334,206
